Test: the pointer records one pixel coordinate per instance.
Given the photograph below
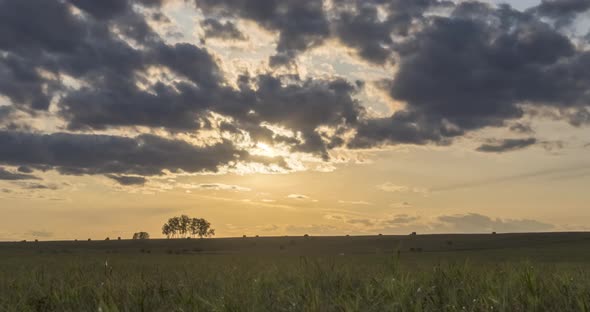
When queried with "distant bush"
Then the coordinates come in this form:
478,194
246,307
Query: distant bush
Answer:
107,239
89,239
244,236
141,235
306,235
119,238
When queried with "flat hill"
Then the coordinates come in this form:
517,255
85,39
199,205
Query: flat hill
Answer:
538,246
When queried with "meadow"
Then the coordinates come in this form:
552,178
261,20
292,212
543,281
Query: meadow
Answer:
503,272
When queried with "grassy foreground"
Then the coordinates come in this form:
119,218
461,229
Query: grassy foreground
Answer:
508,279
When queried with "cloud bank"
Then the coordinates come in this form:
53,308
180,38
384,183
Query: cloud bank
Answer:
131,103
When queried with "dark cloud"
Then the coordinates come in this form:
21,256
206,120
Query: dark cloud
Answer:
128,180
301,24
563,11
104,9
475,69
13,176
506,145
216,29
103,154
358,24
25,169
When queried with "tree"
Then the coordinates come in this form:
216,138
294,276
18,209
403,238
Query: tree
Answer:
184,225
167,230
174,224
201,228
141,235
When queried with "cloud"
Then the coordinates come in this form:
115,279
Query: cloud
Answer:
496,67
298,196
301,24
40,234
39,186
563,11
363,222
476,223
506,145
394,188
215,187
105,154
355,202
7,175
128,180
216,29
401,205
524,128
402,219
100,67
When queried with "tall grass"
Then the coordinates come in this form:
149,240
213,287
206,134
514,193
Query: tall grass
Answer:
225,283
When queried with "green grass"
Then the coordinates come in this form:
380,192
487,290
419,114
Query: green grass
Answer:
535,273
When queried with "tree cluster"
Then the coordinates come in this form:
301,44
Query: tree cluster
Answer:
141,235
184,226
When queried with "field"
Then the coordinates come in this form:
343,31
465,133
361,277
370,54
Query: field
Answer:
503,272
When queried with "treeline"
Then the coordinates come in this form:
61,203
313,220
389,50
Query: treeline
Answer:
185,226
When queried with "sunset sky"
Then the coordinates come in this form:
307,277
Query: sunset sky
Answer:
286,117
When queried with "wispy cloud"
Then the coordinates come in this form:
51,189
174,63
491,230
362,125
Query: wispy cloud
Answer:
394,188
214,187
359,202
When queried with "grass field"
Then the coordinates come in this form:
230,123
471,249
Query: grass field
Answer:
503,272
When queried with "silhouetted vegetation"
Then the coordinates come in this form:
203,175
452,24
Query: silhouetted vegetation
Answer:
184,226
141,235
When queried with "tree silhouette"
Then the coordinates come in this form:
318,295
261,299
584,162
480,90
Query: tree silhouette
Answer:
141,235
184,225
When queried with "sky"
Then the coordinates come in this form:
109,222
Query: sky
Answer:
290,117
